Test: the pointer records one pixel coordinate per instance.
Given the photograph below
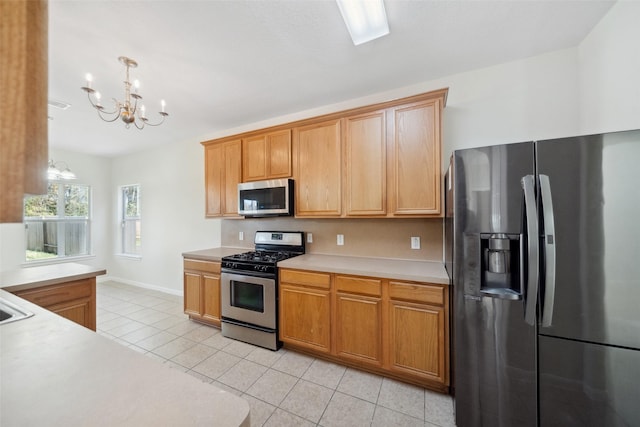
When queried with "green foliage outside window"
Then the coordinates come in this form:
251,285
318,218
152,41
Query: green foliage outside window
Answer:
43,206
76,202
130,196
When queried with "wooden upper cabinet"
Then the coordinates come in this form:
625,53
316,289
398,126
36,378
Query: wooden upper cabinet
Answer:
213,171
223,173
415,159
318,169
380,160
232,177
23,114
365,157
266,156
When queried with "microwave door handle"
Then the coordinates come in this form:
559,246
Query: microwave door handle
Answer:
549,251
531,288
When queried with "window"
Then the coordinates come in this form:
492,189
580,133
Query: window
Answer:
57,225
130,202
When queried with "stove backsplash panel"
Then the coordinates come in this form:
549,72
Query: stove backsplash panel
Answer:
381,238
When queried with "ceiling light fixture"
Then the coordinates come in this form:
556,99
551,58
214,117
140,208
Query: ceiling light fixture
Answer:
59,172
128,110
366,19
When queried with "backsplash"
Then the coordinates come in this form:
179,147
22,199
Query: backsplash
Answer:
380,238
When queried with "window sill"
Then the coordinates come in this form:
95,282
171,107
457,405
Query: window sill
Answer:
49,261
130,256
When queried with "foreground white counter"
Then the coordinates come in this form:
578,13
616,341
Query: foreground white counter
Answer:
54,372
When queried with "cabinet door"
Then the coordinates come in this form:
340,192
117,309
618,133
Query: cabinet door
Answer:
192,295
417,340
223,172
214,172
77,311
232,176
365,172
358,326
73,300
211,298
318,169
305,317
267,156
279,154
415,159
254,162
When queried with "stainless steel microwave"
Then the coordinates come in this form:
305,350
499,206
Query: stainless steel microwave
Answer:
272,197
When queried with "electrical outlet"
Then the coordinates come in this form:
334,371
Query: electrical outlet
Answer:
415,243
340,240
309,237
241,235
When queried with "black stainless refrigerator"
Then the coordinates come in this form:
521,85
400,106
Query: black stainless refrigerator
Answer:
546,280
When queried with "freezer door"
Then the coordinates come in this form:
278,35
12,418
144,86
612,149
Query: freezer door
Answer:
594,182
583,384
495,349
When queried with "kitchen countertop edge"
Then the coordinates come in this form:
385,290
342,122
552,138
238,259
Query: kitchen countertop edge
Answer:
214,254
385,268
46,275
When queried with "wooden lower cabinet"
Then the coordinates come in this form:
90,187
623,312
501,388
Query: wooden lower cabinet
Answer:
305,310
75,300
416,340
394,328
202,291
358,322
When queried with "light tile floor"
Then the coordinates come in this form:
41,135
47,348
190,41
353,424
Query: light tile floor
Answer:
283,388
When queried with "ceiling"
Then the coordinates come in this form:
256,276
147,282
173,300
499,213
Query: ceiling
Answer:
223,64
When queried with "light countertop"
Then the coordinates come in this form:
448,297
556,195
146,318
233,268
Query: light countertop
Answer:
214,254
55,372
44,275
386,268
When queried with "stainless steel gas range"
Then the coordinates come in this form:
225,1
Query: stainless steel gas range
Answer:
249,288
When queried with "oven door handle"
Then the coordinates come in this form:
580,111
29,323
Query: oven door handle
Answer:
237,273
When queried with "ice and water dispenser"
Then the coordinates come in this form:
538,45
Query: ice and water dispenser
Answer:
500,266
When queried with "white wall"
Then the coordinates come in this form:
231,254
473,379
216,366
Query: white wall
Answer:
171,179
609,76
90,170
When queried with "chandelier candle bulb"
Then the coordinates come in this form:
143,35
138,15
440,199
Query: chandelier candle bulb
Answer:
89,80
162,103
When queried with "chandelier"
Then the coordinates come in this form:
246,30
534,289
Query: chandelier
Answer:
128,110
59,170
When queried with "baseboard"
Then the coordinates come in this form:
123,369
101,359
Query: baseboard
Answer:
108,278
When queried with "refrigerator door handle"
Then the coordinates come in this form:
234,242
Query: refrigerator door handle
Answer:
549,251
531,288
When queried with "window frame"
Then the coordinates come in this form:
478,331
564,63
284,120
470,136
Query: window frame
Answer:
61,220
123,219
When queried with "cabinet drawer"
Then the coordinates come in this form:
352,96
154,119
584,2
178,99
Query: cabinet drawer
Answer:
359,285
318,280
430,294
55,294
206,266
